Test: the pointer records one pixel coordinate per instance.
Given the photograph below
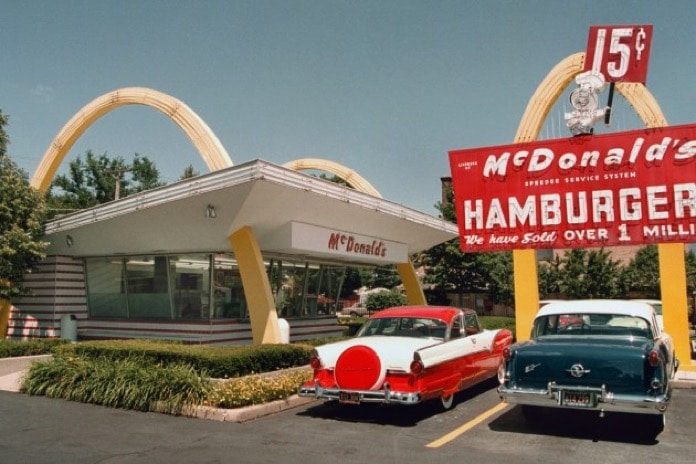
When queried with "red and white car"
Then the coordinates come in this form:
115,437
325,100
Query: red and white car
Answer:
406,355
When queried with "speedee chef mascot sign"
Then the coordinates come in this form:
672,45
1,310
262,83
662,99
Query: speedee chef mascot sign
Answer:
628,188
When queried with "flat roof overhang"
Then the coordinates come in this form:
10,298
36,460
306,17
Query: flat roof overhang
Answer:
264,196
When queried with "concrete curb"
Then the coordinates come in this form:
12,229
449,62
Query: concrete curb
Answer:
247,413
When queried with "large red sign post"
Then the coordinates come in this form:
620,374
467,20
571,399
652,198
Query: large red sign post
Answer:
626,188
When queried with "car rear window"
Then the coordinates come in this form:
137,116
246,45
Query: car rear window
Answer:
591,324
419,327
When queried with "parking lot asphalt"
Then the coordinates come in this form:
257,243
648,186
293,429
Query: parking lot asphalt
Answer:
478,428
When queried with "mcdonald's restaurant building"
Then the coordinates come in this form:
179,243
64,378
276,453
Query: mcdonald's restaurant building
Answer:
245,254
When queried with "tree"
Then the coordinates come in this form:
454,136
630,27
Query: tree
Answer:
386,299
99,179
690,261
189,173
501,284
584,274
447,268
550,276
643,272
22,212
335,179
380,276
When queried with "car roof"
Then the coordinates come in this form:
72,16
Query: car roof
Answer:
631,308
650,302
445,313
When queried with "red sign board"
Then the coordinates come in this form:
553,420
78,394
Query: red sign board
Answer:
627,188
620,53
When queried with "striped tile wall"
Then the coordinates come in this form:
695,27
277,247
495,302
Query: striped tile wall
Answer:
56,289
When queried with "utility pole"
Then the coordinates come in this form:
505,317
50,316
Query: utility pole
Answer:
117,174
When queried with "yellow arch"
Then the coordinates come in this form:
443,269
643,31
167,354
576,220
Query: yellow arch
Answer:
556,82
203,138
671,256
353,178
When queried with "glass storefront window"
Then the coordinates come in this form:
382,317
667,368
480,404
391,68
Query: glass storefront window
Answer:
205,286
106,287
304,289
148,289
228,292
190,284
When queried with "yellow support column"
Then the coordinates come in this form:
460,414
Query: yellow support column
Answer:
414,291
257,289
526,291
674,300
5,307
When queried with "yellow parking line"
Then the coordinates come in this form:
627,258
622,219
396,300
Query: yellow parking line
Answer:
465,427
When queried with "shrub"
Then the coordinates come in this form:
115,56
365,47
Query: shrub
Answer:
498,322
351,325
217,362
385,299
256,389
16,348
124,383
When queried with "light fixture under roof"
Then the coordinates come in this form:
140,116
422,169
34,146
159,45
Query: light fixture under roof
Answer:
210,212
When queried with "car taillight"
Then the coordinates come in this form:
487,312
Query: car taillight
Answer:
315,362
507,353
417,367
653,358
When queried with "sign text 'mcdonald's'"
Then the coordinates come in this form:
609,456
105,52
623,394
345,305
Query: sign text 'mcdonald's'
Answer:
627,188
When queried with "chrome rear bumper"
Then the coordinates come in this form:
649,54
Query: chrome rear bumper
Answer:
385,395
603,400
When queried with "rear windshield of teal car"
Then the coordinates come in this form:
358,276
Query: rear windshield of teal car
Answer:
591,324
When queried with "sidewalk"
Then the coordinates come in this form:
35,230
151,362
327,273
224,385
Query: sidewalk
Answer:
12,370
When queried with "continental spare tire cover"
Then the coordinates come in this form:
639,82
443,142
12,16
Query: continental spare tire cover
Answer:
359,368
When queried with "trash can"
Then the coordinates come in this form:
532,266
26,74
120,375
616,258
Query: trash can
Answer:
68,327
284,331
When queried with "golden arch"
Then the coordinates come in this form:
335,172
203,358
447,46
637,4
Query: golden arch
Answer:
671,256
350,176
203,138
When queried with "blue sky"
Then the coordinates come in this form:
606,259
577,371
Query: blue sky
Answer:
385,87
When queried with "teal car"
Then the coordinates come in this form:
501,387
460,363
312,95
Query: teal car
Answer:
602,355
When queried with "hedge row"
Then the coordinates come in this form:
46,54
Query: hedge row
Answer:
216,362
498,322
17,348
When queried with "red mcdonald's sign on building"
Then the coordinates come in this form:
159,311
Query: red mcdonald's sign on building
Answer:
628,188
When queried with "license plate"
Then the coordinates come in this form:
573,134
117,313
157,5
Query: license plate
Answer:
577,399
349,397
